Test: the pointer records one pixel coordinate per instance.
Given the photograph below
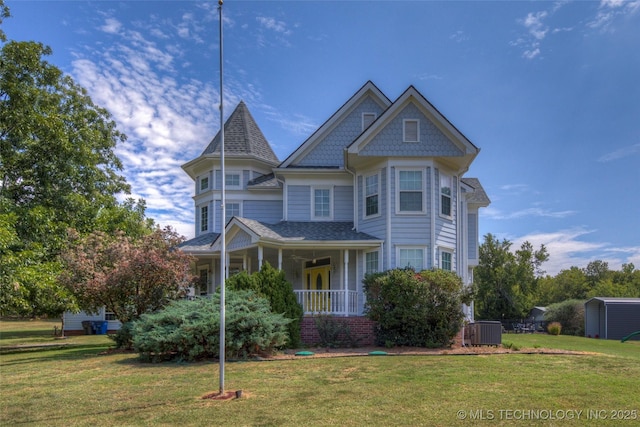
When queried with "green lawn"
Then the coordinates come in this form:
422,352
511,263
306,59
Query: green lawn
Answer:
75,385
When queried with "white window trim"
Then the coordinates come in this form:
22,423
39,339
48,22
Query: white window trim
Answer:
208,216
208,282
232,202
397,191
233,187
366,113
313,203
424,255
450,251
404,128
440,175
377,251
364,195
200,181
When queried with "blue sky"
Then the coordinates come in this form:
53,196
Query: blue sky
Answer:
550,92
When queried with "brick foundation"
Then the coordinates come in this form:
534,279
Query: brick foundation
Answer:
361,329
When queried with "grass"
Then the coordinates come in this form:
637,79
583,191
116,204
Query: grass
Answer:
76,385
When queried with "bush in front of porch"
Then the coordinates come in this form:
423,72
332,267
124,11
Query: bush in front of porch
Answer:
415,309
272,284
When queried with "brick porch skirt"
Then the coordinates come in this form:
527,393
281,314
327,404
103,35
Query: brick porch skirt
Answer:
361,328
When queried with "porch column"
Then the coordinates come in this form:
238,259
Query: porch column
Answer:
260,255
280,259
244,262
346,282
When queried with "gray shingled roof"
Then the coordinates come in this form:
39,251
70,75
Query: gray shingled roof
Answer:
264,181
478,197
242,138
201,243
306,231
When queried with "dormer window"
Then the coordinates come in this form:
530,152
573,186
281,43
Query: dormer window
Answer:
411,130
367,119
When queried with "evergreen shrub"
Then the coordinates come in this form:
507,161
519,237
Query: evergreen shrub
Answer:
190,329
416,309
570,314
271,283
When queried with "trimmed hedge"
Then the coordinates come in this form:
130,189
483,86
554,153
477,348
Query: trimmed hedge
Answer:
190,330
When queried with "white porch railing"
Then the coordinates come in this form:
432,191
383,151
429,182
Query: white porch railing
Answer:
339,302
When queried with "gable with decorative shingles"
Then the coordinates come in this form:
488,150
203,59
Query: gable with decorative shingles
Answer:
432,141
328,151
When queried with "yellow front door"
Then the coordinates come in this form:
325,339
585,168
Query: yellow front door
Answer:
318,280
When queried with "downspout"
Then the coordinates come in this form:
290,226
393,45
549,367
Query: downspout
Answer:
389,215
434,185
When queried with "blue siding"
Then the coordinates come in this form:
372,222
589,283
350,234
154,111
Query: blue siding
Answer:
343,203
299,203
472,229
329,151
377,225
269,211
389,141
445,227
410,229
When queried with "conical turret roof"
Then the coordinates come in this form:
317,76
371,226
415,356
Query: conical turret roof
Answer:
242,138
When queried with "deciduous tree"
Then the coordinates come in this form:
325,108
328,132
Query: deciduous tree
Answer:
506,282
128,277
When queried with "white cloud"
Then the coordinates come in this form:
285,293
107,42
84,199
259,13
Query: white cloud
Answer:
493,213
569,247
274,25
621,153
111,26
459,36
533,23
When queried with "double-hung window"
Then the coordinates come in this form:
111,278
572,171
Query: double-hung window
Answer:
371,262
204,218
410,191
445,194
204,183
445,260
411,258
322,203
232,180
371,191
231,210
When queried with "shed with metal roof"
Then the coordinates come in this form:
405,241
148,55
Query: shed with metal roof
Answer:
611,318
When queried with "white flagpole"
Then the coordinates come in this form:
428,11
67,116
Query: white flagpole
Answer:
223,252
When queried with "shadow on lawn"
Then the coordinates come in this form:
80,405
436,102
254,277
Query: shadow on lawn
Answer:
50,353
93,413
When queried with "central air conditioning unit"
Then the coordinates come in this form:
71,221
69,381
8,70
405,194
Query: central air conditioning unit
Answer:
486,332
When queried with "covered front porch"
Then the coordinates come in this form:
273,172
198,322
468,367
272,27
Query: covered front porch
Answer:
323,261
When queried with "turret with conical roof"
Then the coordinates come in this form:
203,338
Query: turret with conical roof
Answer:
242,137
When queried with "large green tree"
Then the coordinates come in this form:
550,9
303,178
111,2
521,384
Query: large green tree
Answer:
506,282
58,171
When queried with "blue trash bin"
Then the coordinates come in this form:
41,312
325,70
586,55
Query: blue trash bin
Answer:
100,327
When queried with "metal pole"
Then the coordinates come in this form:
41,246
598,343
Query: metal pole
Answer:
223,252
